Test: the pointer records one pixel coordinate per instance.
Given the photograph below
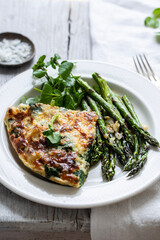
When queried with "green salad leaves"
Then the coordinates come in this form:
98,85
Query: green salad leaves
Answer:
153,21
156,12
62,90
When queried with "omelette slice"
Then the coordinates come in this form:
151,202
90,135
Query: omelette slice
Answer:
53,142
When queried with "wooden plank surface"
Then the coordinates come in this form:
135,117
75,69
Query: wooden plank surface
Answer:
47,236
60,26
79,32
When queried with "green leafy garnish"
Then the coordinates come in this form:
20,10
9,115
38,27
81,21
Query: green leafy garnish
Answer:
51,80
40,68
156,12
54,61
33,100
61,91
47,92
57,100
151,22
69,82
53,137
39,73
40,63
69,100
50,171
65,69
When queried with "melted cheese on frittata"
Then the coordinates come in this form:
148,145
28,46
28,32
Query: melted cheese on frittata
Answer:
65,164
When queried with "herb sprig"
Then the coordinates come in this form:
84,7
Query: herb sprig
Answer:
53,137
63,90
153,21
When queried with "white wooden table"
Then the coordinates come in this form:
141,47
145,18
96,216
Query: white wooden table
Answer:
55,26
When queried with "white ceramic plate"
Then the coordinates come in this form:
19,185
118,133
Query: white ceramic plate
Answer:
96,191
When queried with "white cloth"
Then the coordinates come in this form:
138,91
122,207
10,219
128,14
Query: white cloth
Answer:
118,33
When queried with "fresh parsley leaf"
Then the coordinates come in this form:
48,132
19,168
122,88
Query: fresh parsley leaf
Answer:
65,69
69,102
53,137
78,97
77,94
62,91
39,73
47,64
61,85
52,80
54,61
40,63
33,100
57,99
41,59
70,82
156,13
151,22
47,93
57,92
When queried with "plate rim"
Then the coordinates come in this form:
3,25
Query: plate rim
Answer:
89,205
